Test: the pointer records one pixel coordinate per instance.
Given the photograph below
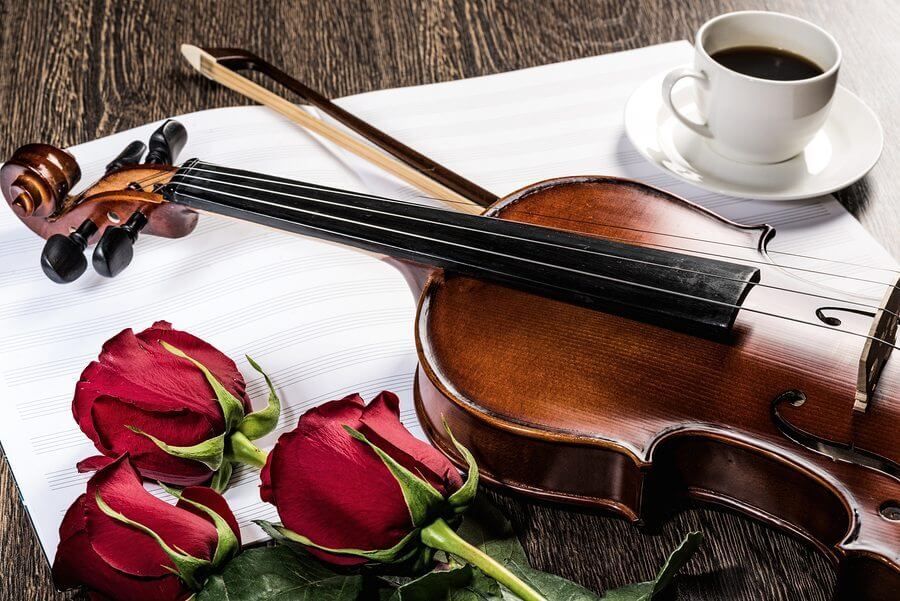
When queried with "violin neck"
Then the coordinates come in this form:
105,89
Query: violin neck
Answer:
680,291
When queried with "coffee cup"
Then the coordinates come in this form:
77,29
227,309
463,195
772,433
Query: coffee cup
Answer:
763,84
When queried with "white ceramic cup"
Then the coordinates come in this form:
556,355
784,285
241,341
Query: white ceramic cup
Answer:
751,119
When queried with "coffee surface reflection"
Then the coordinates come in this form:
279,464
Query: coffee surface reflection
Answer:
767,63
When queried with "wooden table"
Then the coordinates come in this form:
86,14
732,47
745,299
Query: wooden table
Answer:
74,71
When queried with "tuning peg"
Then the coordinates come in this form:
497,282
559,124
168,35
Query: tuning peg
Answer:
131,155
115,249
166,142
63,256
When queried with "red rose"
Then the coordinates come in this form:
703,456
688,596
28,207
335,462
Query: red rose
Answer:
108,539
169,400
353,485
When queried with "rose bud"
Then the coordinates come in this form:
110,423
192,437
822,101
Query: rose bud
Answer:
121,542
174,403
353,485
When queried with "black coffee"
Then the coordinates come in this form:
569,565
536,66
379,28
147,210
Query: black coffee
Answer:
767,63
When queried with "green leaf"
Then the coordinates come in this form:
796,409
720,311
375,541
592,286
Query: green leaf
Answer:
438,584
209,452
278,573
485,527
259,423
227,545
192,570
645,591
232,407
457,582
488,529
461,498
420,496
397,553
551,586
222,477
630,592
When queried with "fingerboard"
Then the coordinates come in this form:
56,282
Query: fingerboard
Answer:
680,291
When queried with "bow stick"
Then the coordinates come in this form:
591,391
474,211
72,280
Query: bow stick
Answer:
221,65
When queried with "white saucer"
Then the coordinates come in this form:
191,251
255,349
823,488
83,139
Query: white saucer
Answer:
846,148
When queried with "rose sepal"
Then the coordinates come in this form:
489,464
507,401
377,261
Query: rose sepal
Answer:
210,452
395,554
462,498
221,477
228,544
259,423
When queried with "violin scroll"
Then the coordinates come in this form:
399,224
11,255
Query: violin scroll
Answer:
37,183
37,179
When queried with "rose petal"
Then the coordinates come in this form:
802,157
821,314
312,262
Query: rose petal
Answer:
334,489
213,500
92,464
73,521
174,387
127,549
381,425
347,410
81,403
178,428
266,493
77,564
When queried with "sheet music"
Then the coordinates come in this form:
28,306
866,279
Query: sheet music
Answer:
325,321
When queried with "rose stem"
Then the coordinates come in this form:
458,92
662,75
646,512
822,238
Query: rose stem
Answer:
440,535
244,451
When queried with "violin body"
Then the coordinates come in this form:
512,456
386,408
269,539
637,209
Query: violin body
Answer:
565,403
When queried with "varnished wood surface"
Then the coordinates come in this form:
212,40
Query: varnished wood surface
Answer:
75,71
567,403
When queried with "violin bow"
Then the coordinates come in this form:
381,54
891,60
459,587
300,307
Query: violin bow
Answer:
223,65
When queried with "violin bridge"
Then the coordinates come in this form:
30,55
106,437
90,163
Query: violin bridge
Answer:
878,347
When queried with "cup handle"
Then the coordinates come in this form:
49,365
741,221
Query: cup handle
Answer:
669,83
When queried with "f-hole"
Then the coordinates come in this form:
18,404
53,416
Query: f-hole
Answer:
831,320
829,448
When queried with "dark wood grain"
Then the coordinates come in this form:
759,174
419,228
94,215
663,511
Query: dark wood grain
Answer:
78,70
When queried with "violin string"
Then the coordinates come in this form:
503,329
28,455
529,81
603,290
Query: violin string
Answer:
198,168
532,281
161,176
194,168
694,239
261,178
754,261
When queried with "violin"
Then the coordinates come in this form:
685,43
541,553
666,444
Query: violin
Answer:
592,340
